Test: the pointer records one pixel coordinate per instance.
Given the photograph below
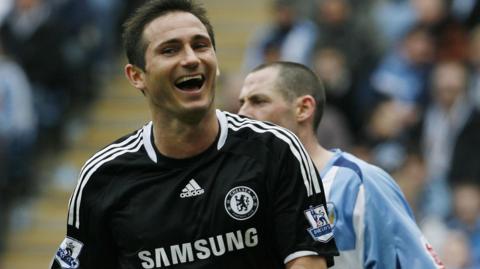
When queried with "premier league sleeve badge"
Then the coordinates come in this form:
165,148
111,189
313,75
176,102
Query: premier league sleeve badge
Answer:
68,252
320,229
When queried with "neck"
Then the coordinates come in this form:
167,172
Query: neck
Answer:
319,154
177,139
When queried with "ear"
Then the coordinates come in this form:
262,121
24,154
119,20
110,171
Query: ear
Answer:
305,108
218,71
135,76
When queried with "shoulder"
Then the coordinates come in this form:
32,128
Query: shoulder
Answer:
381,190
264,133
344,180
113,154
98,171
364,171
348,170
376,182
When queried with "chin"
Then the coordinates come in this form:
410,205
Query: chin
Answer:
193,115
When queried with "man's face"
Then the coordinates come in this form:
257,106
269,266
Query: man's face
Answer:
259,99
181,64
449,82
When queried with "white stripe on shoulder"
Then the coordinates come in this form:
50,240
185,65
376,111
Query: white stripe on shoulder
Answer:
222,120
99,155
307,168
136,147
359,223
105,155
328,181
147,141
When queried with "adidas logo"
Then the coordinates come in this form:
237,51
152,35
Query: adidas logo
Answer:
192,189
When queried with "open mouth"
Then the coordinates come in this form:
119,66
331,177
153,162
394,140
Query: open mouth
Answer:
190,83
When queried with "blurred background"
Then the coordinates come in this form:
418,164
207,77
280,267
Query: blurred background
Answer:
403,92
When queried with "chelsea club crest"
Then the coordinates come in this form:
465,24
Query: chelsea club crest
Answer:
320,229
241,203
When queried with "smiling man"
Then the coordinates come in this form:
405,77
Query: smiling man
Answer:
196,187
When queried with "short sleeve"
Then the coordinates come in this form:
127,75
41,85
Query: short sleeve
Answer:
391,234
300,216
88,243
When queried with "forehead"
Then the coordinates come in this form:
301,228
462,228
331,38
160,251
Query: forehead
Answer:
261,81
173,25
449,72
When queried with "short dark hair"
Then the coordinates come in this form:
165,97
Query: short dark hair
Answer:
134,26
295,80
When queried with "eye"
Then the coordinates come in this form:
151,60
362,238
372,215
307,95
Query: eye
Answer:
168,51
259,101
200,45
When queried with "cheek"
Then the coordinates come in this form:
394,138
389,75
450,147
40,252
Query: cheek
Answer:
270,113
284,117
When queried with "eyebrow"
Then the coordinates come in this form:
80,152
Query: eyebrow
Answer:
201,36
178,40
256,96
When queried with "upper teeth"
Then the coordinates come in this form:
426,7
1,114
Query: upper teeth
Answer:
183,79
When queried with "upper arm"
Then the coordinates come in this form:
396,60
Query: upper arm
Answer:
391,233
298,203
88,242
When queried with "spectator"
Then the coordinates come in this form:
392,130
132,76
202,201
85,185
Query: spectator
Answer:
456,251
449,34
5,7
289,37
466,11
17,135
466,216
444,121
465,155
403,74
79,40
393,18
331,66
106,15
340,29
474,61
388,133
33,38
411,177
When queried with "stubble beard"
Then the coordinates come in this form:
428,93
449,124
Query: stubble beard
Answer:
194,116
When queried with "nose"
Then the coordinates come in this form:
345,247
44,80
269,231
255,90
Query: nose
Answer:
245,110
190,59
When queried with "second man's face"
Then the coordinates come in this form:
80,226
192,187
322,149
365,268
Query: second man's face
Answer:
181,65
259,99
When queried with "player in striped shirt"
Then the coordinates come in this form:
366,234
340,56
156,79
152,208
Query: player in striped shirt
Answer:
196,187
373,224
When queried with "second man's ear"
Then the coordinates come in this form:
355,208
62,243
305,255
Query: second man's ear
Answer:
305,108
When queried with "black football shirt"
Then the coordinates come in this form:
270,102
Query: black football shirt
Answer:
252,200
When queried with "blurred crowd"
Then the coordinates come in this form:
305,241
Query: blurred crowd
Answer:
55,56
403,92
402,80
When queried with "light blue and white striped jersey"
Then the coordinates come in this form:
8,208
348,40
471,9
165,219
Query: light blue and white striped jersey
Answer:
373,225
